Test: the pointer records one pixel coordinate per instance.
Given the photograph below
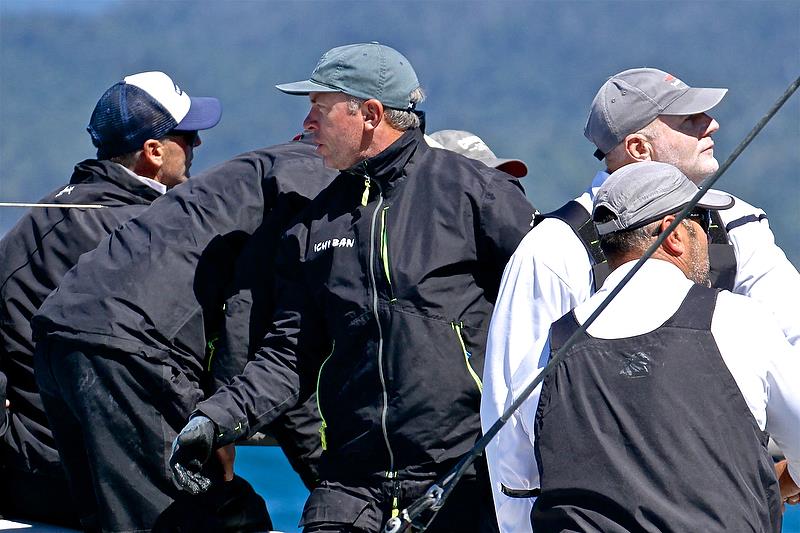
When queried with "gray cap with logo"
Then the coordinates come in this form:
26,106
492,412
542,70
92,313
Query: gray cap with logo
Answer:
632,99
640,193
366,70
470,145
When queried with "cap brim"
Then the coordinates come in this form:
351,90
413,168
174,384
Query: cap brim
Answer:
716,201
515,167
305,87
203,114
695,100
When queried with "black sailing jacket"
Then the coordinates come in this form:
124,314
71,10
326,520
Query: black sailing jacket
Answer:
34,256
391,273
156,287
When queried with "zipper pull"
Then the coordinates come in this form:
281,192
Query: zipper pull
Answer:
322,437
365,196
395,494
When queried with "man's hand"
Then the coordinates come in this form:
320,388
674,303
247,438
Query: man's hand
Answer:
790,492
190,451
226,456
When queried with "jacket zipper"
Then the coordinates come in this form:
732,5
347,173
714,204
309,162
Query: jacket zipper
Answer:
323,425
457,327
385,394
365,194
385,251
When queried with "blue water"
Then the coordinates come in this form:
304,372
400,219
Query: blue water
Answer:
266,468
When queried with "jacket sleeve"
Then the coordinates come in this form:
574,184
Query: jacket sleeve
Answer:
247,316
246,313
504,217
283,366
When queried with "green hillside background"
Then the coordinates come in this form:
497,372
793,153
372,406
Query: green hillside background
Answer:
519,74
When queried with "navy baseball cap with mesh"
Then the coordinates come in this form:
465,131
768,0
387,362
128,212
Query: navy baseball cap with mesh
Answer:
146,106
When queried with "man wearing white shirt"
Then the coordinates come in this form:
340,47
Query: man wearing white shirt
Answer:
656,419
637,115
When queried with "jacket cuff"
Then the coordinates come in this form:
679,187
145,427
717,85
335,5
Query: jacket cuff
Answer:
227,428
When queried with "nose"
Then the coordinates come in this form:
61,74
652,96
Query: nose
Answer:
197,141
711,126
309,124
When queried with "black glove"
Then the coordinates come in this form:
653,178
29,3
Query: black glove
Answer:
190,451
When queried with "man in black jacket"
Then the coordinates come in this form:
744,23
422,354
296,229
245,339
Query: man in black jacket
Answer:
145,131
384,289
141,316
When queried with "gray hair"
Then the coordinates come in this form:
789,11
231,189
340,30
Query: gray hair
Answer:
396,118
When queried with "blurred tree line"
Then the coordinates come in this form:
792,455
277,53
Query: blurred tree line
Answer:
519,74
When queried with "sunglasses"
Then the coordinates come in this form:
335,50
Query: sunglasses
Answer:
188,137
702,217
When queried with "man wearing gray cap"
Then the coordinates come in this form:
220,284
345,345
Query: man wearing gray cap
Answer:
385,288
658,417
145,131
641,114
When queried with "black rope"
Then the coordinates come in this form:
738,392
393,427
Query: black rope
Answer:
437,494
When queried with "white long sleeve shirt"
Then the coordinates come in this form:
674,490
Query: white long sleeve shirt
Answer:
548,275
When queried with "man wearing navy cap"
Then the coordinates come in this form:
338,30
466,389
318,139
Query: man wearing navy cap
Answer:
145,130
385,286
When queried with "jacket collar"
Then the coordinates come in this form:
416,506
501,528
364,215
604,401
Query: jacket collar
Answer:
94,171
388,165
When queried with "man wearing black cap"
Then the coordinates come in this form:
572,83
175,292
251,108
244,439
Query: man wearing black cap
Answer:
658,417
641,114
145,130
385,287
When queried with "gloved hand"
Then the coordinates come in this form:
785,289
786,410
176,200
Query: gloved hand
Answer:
190,451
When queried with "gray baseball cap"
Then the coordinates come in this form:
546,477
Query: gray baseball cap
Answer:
470,145
640,193
632,99
366,70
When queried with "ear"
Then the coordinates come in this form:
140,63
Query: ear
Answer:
638,148
151,158
677,242
372,111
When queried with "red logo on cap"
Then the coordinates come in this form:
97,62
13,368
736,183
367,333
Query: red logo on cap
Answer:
669,77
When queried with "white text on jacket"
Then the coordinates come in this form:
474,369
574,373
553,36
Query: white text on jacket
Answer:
334,243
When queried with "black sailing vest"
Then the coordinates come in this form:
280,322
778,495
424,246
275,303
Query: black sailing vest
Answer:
722,258
651,433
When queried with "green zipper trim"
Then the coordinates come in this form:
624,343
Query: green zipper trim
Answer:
457,328
211,350
324,425
385,251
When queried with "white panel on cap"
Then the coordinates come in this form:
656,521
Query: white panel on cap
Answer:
164,90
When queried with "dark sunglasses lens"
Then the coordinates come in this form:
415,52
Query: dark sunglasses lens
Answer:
189,137
702,217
